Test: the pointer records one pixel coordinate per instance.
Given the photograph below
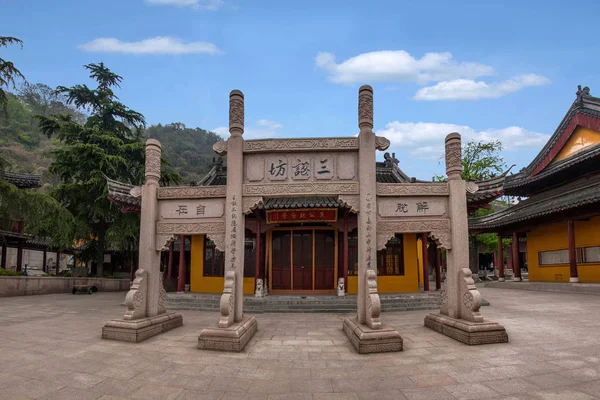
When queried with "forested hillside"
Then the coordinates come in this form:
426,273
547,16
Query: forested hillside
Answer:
26,149
189,150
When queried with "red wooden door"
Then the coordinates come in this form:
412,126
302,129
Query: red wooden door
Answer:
302,259
281,269
324,259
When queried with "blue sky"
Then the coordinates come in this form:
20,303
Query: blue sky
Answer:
487,69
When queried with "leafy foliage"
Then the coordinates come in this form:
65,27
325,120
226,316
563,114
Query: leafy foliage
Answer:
188,150
8,72
480,161
43,214
107,144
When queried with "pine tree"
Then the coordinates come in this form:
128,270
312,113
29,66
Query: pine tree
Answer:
108,144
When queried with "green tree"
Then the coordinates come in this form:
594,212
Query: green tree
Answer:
107,144
8,72
480,161
189,150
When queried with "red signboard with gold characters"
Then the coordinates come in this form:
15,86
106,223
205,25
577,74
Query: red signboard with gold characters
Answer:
302,215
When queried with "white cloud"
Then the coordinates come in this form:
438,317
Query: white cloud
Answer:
263,129
399,66
467,89
425,140
268,124
156,45
210,5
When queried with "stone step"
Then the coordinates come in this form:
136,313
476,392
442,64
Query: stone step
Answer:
305,304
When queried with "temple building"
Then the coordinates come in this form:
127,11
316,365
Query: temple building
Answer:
307,243
556,227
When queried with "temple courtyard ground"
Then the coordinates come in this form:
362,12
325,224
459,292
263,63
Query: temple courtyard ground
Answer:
50,348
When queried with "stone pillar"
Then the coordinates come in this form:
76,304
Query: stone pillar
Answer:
146,314
574,275
57,263
425,262
147,277
366,332
459,281
3,259
367,217
234,217
170,262
515,257
459,316
233,329
500,259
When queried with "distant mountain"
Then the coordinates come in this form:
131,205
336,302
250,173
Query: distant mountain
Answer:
23,148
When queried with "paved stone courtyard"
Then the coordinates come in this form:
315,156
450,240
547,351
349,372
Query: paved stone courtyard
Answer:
51,349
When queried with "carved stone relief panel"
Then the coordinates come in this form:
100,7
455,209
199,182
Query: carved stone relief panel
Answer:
191,192
250,203
331,188
438,229
412,206
412,189
191,208
346,166
303,144
214,229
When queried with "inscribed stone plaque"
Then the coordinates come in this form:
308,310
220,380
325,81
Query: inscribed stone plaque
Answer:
300,168
276,168
324,165
412,206
190,209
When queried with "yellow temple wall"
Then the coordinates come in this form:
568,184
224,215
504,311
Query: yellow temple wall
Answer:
208,284
395,284
555,237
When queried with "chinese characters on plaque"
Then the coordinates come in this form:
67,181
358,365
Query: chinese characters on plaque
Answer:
302,215
412,206
191,208
281,168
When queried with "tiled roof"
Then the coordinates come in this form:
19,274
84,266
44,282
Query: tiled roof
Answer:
585,110
21,180
575,194
299,202
120,194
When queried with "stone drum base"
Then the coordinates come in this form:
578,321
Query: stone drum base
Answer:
137,330
471,333
366,340
234,338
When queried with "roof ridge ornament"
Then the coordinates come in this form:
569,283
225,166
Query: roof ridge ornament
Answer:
585,92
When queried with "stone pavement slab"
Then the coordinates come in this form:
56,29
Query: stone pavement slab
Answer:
51,349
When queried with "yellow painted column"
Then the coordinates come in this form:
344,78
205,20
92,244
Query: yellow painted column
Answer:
197,263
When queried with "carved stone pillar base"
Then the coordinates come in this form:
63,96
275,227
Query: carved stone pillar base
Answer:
140,329
467,332
366,340
232,338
